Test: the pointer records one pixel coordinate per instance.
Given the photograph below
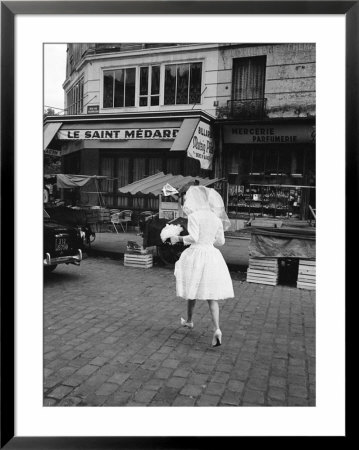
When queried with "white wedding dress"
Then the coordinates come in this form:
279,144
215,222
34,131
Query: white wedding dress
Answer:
201,272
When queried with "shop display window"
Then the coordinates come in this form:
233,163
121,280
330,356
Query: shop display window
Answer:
266,200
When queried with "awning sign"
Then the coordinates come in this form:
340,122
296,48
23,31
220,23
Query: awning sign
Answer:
269,134
120,134
52,152
201,146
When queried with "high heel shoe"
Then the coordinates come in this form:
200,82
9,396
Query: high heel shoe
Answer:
217,338
184,323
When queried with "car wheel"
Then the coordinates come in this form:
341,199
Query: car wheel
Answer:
49,269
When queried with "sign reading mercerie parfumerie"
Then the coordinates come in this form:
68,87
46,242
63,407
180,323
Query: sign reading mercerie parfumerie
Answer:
123,133
201,146
269,134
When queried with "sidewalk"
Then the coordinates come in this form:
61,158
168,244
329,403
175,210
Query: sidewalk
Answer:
235,250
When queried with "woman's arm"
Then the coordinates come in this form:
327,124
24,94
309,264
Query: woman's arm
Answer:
193,230
219,239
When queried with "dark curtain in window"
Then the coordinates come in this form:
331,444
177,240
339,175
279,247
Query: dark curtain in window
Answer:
119,87
155,81
108,90
195,83
107,169
122,171
154,165
249,78
130,87
173,166
139,165
182,84
170,85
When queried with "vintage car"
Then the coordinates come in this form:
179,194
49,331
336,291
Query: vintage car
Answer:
63,244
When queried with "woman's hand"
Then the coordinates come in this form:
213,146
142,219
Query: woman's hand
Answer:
175,239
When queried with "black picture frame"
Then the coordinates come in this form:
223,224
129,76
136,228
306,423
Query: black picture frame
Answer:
9,9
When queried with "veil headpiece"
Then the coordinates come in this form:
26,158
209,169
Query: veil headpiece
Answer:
202,198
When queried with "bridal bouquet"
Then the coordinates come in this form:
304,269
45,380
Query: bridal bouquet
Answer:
169,231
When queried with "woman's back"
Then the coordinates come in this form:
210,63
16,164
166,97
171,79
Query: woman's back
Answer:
205,228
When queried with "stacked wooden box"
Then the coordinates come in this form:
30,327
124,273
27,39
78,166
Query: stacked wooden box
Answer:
263,271
306,274
137,256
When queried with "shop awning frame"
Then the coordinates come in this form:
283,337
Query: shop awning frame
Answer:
153,184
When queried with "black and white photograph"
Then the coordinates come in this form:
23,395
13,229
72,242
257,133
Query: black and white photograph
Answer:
179,224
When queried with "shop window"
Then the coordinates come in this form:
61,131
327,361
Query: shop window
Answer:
154,165
257,162
173,166
183,84
122,171
139,168
107,169
75,98
149,86
119,88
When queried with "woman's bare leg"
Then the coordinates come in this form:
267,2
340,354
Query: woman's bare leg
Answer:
214,309
190,307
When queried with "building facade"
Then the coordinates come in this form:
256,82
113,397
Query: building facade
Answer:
241,112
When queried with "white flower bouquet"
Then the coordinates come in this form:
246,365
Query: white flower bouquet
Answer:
169,231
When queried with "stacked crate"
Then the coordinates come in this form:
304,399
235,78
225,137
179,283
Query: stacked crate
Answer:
263,271
137,256
306,274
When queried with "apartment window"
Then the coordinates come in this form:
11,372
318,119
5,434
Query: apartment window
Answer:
75,98
149,86
183,84
119,88
249,78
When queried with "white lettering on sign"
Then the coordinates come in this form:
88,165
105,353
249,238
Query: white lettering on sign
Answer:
120,134
268,134
201,146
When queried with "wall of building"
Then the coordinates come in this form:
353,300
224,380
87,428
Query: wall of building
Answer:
289,80
92,67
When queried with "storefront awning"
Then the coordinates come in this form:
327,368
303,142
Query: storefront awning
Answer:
50,129
65,181
185,134
154,183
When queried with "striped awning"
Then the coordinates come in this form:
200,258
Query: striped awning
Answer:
50,129
154,183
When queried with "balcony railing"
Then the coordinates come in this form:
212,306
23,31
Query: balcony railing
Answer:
247,109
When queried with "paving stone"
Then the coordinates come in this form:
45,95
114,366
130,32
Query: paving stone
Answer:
298,391
60,392
253,397
231,398
208,400
191,390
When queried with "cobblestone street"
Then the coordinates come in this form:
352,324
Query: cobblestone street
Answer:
112,338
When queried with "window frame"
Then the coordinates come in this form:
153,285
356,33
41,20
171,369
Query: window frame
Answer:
176,64
113,70
149,94
76,95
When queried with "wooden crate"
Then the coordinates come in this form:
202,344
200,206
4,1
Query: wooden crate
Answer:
263,271
306,274
139,261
